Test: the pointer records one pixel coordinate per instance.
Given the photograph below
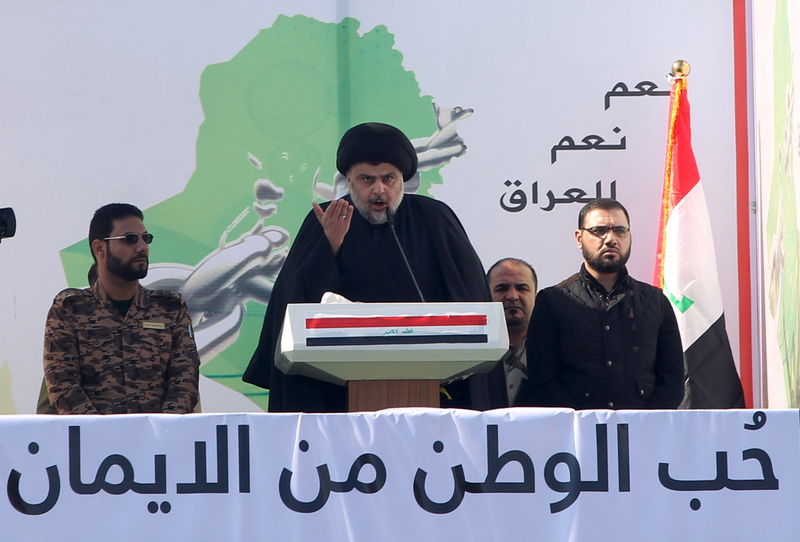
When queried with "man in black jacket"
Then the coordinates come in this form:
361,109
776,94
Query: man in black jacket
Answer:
601,339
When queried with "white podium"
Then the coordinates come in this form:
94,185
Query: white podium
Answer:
391,354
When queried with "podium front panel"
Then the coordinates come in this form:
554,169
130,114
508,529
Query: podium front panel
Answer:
391,341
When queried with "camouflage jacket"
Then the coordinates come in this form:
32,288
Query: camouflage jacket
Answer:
97,362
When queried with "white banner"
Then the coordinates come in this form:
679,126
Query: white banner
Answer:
397,475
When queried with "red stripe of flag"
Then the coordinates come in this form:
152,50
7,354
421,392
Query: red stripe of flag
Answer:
393,321
684,171
681,173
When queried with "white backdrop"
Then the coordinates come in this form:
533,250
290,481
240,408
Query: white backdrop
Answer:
100,104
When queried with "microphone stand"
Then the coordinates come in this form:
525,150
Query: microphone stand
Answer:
390,221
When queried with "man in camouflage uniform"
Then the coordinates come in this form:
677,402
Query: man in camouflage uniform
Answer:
117,347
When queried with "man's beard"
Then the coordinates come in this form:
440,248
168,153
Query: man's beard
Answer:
601,265
125,270
515,321
518,318
375,217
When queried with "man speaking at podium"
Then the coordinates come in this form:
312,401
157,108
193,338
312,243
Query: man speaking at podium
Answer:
347,246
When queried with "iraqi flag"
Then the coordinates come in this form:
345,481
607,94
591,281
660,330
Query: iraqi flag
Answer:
686,270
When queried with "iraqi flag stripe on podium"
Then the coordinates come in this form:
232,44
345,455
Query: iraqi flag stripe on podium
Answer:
398,330
686,269
392,321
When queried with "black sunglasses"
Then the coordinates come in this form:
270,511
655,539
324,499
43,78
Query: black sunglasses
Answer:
132,238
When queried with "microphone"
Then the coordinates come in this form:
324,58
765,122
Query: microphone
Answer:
390,221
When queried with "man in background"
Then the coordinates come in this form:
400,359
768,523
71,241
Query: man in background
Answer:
513,283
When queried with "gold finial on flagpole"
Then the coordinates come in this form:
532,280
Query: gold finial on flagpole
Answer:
680,68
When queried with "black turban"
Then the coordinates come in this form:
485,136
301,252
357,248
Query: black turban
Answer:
375,142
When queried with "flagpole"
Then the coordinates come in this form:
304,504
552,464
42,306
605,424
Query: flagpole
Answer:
686,265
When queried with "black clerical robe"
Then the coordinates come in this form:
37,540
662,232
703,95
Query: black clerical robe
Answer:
368,268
